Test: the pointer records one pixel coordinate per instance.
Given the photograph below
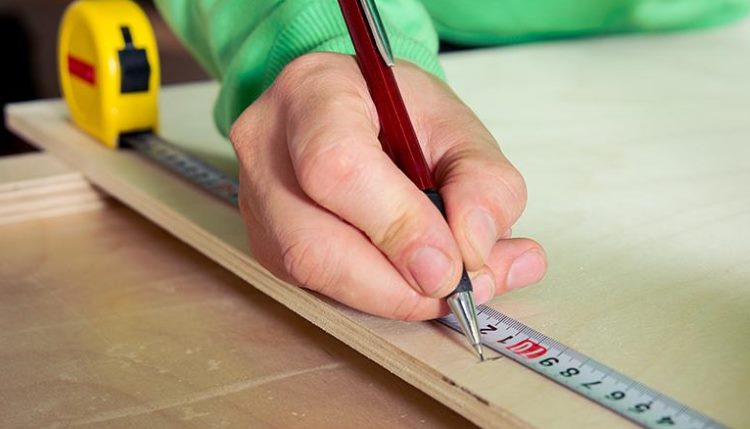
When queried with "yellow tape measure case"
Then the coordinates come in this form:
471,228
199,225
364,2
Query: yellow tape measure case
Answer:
109,68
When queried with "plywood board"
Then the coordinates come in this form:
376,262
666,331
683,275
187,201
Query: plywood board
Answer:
636,156
37,185
107,321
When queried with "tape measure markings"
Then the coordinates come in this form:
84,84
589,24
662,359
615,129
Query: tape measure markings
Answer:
185,165
581,374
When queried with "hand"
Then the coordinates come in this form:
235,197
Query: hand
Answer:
326,208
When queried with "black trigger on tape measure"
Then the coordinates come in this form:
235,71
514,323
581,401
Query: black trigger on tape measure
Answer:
135,70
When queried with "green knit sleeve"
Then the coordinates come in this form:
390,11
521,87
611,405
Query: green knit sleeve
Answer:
495,22
246,43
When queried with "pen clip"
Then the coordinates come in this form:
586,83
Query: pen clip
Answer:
378,31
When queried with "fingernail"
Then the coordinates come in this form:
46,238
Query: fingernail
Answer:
431,269
481,232
526,269
484,288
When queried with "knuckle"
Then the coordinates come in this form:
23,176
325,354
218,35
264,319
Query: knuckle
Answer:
318,81
238,133
522,190
239,127
507,194
304,65
252,179
513,187
246,135
327,168
309,262
299,75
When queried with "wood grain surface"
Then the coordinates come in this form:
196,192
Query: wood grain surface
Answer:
636,156
107,321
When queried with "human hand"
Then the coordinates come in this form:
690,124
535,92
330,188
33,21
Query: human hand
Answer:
326,208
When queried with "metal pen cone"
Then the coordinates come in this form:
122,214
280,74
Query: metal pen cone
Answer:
480,351
463,307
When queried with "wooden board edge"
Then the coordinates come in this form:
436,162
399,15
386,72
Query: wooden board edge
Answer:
37,186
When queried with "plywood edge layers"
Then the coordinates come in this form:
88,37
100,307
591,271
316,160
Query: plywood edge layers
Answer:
36,185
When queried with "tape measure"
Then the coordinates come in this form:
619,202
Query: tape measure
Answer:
581,374
109,71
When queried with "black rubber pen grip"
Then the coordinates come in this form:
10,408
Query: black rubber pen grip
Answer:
464,284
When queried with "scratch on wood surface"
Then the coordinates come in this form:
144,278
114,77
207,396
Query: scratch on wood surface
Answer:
465,390
192,398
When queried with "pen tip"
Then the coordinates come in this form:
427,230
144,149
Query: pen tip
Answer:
480,351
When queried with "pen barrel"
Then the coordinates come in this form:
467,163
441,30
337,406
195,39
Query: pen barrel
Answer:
464,283
397,134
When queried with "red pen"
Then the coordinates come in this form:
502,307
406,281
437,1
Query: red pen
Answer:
397,134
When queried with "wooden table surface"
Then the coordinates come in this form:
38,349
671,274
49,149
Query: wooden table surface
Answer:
635,150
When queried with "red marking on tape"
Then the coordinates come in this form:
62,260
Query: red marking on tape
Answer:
528,349
81,69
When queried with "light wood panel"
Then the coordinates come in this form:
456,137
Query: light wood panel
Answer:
635,151
37,185
107,321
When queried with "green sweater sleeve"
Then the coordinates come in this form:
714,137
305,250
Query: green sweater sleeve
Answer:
495,22
245,43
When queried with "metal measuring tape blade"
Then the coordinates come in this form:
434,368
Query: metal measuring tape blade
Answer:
583,375
185,165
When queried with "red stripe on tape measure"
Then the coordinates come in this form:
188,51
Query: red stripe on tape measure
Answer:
81,69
